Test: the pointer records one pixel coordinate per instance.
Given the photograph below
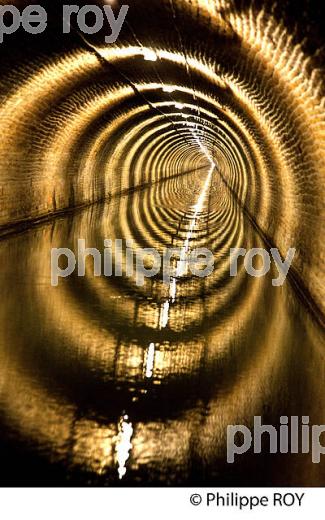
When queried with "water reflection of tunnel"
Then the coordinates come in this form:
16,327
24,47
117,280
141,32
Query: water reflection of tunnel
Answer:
201,126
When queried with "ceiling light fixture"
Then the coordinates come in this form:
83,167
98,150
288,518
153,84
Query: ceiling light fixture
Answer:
149,55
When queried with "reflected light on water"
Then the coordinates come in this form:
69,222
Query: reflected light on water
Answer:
123,444
182,263
150,359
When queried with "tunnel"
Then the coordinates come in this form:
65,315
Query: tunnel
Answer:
200,128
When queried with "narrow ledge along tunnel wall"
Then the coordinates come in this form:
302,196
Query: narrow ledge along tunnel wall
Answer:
81,121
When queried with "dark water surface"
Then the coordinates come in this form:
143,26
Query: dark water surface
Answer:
104,382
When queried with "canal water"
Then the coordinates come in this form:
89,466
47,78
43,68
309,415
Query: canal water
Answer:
106,382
